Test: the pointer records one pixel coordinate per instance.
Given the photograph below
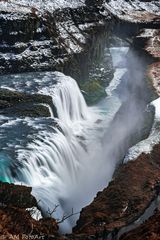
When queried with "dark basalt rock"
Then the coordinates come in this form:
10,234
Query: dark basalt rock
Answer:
64,40
94,3
4,104
17,97
29,110
68,40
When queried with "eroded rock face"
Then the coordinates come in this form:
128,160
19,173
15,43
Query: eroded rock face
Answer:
94,3
67,39
153,47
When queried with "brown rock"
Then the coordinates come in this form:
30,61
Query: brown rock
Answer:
126,197
16,220
16,196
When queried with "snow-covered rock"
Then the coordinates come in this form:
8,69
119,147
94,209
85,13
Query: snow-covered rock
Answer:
49,35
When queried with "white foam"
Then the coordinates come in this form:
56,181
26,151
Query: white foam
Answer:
116,80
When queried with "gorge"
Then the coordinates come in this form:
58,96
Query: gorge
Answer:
51,140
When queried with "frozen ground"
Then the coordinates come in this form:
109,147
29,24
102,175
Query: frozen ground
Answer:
40,5
134,10
147,144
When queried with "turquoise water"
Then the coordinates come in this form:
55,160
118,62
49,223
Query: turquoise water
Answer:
4,167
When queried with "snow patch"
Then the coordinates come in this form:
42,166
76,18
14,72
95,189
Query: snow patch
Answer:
26,6
147,145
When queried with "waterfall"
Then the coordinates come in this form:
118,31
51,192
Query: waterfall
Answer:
68,159
67,98
61,157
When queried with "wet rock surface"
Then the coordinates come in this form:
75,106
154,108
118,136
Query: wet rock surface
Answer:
16,196
20,104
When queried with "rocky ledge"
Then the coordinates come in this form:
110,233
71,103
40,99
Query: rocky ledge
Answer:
20,104
20,217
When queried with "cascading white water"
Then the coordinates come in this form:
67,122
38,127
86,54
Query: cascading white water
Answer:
62,162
